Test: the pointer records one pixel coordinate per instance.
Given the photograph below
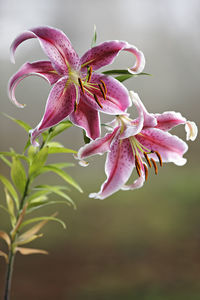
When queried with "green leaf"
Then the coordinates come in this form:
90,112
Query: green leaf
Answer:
57,190
24,125
13,154
37,219
10,188
94,39
4,208
11,208
7,162
31,152
27,145
18,175
123,72
38,160
59,129
122,78
62,174
60,150
86,139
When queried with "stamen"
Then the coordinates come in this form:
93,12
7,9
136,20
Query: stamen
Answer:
137,162
81,85
159,157
155,166
102,91
89,74
104,86
75,106
147,159
138,170
145,171
97,100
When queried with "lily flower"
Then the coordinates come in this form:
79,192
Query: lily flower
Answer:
139,144
78,91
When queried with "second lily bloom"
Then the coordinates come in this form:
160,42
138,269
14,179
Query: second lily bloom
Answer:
139,144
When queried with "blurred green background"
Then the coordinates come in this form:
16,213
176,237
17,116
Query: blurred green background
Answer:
142,244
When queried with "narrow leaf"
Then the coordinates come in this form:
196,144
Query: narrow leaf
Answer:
10,188
24,125
39,160
30,239
63,175
5,237
18,175
4,255
28,251
60,150
11,208
86,139
59,129
94,39
37,219
4,208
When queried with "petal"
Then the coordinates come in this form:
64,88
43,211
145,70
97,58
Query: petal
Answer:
43,69
137,184
118,168
55,44
170,147
169,119
60,104
87,118
191,130
117,96
105,53
99,146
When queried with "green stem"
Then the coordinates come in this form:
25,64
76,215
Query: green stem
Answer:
9,275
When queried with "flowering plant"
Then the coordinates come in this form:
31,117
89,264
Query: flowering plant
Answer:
78,92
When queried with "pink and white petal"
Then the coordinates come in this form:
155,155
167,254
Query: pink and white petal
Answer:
168,120
105,53
137,184
191,130
170,147
87,118
118,168
149,119
55,44
43,69
117,96
98,146
60,104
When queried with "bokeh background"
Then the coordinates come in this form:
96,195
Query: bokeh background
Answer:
142,244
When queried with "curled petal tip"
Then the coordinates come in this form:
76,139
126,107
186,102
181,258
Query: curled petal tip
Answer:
191,130
83,163
95,196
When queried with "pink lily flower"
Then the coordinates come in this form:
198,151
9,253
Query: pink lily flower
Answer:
138,144
78,91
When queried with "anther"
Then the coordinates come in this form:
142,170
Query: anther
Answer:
81,85
147,159
159,157
138,169
97,100
104,86
145,171
137,162
75,106
89,74
102,91
155,166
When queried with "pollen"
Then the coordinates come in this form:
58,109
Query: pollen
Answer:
102,91
147,159
138,169
89,74
97,100
155,166
159,157
145,171
81,85
104,86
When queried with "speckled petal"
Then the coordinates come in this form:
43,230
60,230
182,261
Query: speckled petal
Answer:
117,97
169,119
118,168
170,147
137,184
87,118
60,104
105,53
43,69
99,146
54,43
